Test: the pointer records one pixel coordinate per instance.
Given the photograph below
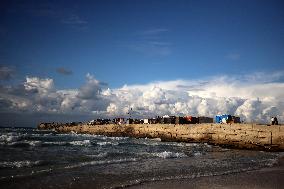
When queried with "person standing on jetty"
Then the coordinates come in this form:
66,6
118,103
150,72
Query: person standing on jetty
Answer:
274,121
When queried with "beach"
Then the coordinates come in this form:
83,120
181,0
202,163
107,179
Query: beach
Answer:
266,178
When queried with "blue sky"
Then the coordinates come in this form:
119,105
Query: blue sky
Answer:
129,42
89,46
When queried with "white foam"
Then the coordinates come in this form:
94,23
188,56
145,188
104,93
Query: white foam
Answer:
33,142
152,143
191,144
29,142
101,162
80,143
56,143
156,139
9,137
166,154
117,138
107,143
197,154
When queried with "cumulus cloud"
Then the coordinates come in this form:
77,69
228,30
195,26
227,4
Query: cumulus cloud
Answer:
38,85
91,89
252,99
40,95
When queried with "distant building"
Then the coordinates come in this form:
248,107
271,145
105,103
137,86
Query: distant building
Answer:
203,119
191,119
226,118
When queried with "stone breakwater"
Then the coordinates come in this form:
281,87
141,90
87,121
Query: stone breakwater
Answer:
242,136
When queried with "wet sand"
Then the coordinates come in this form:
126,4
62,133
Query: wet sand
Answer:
266,178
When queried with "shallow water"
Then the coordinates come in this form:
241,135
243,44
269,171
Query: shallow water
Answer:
46,159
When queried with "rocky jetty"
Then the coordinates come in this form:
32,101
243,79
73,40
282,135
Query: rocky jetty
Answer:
242,136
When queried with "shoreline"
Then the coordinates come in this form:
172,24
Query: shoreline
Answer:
265,178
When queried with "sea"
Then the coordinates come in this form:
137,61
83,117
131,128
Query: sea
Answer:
31,158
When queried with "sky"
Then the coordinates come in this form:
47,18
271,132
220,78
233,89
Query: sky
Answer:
80,60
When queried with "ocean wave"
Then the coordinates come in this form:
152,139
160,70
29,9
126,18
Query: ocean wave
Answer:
19,164
158,143
60,143
74,143
9,137
197,154
167,154
24,143
42,134
107,143
156,139
34,143
101,162
117,138
80,143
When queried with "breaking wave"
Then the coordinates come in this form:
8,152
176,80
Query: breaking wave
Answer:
156,142
60,143
80,143
166,155
9,137
24,143
101,162
108,143
74,143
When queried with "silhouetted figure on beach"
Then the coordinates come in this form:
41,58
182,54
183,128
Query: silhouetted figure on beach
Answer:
274,121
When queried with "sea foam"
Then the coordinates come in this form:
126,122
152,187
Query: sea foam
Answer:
167,154
101,162
81,143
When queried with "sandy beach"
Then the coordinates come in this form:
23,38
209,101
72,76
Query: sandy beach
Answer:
266,178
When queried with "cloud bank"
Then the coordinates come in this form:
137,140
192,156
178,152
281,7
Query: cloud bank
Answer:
255,98
245,97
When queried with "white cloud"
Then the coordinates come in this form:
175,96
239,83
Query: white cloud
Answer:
252,99
91,89
40,95
38,85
